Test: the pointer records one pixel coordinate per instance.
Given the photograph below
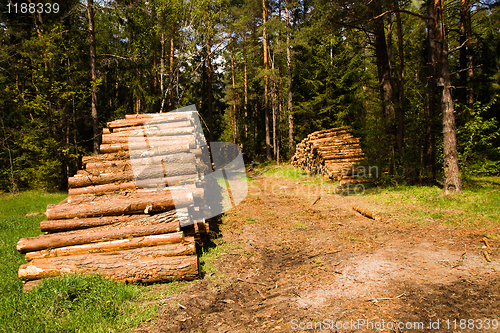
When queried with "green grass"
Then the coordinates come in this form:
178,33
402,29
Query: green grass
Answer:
478,206
68,304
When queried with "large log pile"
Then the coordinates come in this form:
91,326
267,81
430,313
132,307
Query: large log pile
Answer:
124,218
332,153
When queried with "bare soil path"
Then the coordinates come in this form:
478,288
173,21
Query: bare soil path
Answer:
286,265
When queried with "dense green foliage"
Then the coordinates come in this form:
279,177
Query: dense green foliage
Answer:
159,55
68,304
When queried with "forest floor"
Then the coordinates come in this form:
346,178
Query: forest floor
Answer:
278,263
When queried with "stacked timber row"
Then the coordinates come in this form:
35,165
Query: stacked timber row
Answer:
134,212
332,153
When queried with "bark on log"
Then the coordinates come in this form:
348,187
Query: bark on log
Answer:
117,204
181,145
173,158
156,120
157,183
142,265
169,169
367,213
121,155
122,244
52,226
124,137
95,235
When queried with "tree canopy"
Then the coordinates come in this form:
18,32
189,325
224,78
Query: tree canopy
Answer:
406,76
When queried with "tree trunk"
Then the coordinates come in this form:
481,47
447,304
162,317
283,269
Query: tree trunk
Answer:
235,134
142,265
430,137
384,69
245,86
209,83
291,141
162,67
466,55
171,71
266,82
401,95
450,155
93,71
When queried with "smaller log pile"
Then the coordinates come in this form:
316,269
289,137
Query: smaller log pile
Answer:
125,222
332,153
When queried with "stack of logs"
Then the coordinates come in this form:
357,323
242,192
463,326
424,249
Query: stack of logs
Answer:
332,153
123,224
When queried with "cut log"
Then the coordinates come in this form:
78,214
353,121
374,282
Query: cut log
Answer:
124,137
173,146
157,183
367,212
149,173
173,158
156,120
117,204
95,235
142,265
121,244
52,226
121,155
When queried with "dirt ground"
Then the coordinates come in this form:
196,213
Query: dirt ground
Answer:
291,266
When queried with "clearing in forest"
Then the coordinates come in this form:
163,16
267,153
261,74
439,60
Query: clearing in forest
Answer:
279,263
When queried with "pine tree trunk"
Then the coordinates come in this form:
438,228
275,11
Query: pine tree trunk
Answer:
291,142
450,155
430,137
93,72
245,85
466,54
235,134
401,95
384,70
266,82
171,72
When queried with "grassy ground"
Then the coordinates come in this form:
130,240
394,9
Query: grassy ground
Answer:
68,304
478,205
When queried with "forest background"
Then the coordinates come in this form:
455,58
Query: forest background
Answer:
407,76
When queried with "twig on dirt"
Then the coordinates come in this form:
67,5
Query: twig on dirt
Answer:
375,300
317,199
261,295
485,241
487,255
252,282
320,254
461,258
181,306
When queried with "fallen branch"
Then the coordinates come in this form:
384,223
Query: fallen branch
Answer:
375,300
262,284
461,259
